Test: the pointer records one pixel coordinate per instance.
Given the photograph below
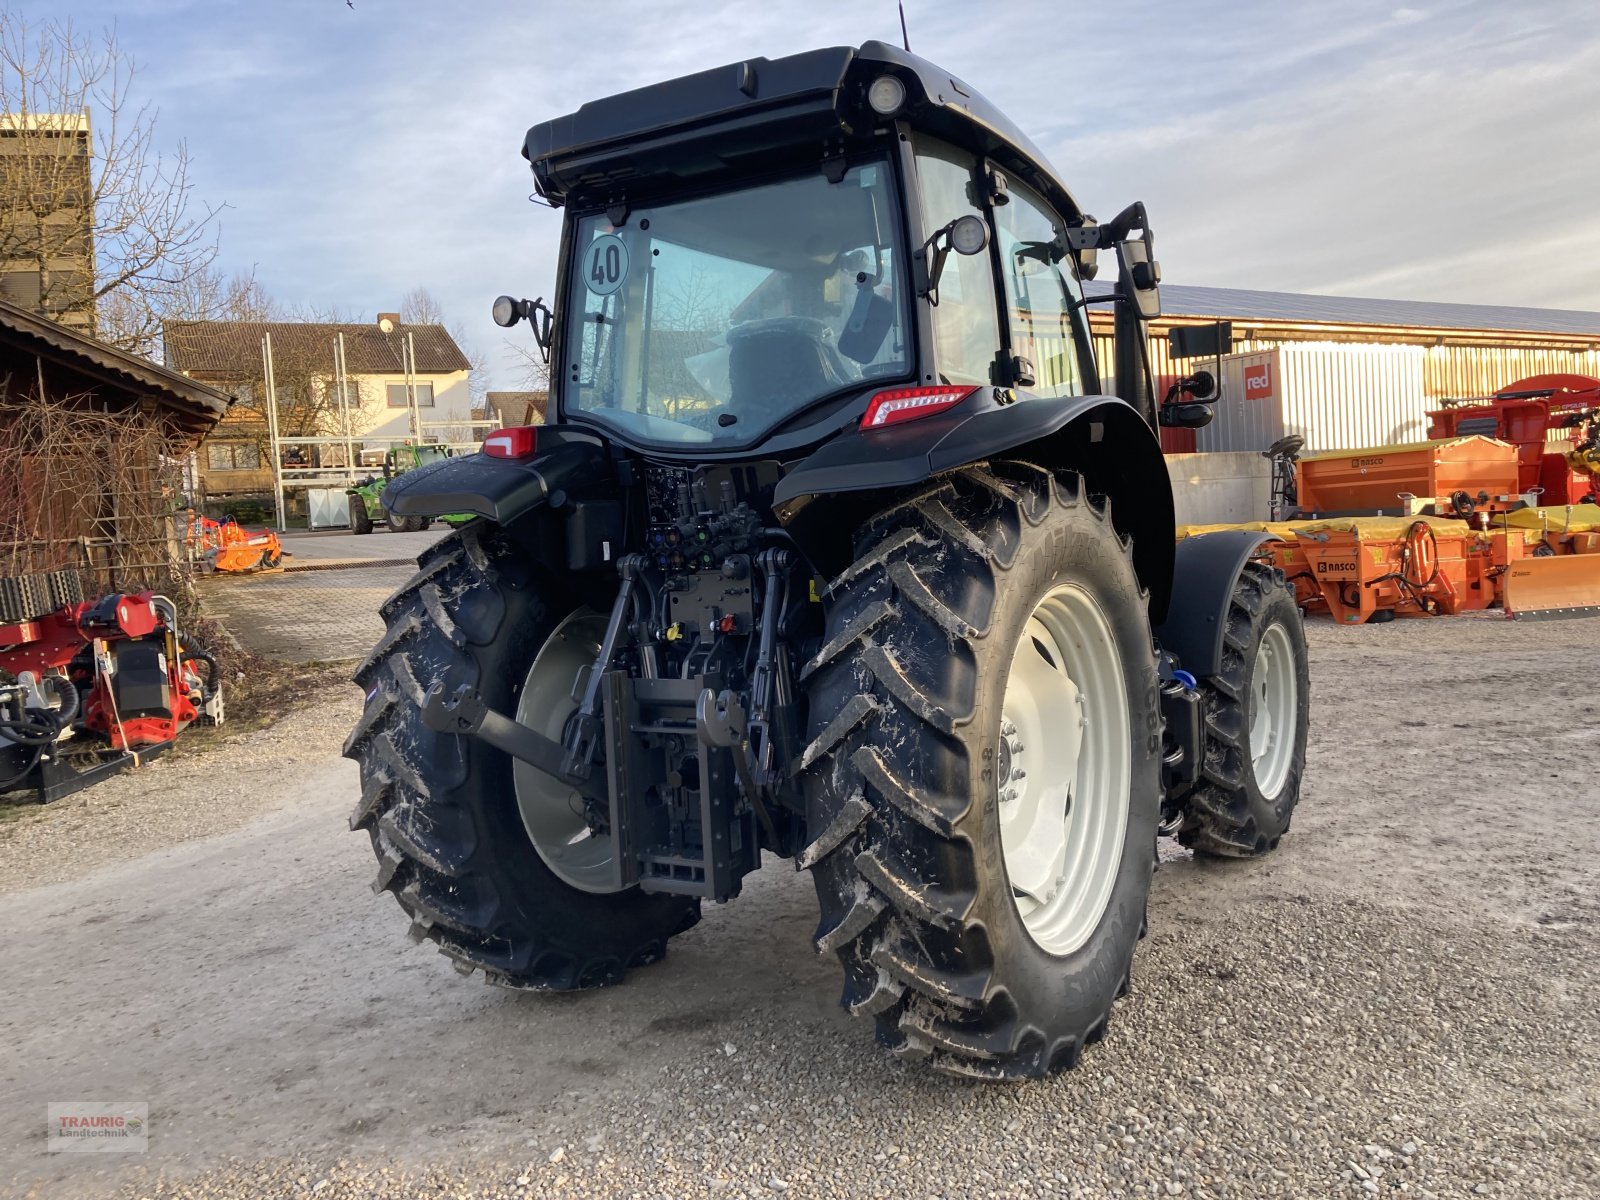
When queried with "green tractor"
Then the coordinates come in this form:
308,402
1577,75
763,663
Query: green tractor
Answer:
366,505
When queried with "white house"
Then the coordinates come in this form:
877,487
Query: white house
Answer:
377,386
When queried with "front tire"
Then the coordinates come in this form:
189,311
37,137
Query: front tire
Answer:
442,809
1258,709
360,521
966,951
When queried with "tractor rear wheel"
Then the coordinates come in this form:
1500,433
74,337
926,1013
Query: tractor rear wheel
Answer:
981,773
1257,717
445,813
360,522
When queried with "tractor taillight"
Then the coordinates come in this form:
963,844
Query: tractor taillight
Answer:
519,441
907,404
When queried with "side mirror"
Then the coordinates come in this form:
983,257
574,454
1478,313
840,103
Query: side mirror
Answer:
1186,416
1141,276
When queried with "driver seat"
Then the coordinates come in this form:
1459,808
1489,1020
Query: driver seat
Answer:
781,363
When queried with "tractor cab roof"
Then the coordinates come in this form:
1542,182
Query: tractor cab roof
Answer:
762,115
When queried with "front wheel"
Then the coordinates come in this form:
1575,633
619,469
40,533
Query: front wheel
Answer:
1258,709
360,521
982,773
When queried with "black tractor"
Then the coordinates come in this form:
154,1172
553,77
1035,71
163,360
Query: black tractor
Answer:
842,547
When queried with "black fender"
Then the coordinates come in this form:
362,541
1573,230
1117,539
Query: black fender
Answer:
1205,570
501,489
1101,437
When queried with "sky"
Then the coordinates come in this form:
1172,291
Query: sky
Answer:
1430,151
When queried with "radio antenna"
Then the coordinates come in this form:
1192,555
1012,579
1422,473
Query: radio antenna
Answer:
905,38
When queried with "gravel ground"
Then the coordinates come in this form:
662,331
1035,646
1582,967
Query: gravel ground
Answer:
185,795
1402,999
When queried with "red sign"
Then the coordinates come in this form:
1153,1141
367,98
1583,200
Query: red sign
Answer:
1258,382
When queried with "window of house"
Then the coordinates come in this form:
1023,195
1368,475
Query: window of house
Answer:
1041,287
397,395
352,392
232,456
966,332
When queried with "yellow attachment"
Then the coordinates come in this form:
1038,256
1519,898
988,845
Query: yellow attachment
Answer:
675,631
1556,518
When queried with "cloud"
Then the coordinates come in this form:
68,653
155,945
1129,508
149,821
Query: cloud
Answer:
1442,151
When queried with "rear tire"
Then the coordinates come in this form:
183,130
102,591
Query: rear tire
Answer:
914,853
1258,709
441,809
360,522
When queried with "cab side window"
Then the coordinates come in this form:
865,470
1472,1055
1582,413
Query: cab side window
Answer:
1041,287
966,330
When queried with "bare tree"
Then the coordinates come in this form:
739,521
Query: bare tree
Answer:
420,307
531,370
98,220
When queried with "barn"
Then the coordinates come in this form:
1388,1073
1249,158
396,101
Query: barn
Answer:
1345,372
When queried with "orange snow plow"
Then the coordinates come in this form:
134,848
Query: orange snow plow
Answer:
1548,562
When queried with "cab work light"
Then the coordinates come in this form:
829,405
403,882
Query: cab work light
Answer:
519,441
907,404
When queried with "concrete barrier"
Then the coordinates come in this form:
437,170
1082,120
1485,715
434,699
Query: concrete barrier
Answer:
1210,489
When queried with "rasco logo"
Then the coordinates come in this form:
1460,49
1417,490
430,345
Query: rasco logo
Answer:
1367,462
1337,566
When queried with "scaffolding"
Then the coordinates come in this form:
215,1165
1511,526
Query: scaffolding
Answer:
349,472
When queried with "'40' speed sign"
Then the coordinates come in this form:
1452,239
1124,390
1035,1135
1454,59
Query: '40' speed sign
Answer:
605,264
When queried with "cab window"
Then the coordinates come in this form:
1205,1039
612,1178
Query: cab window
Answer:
1041,288
966,331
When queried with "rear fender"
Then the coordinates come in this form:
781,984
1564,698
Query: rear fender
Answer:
1206,569
500,489
829,494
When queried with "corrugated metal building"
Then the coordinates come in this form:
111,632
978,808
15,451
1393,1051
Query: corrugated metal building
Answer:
1352,372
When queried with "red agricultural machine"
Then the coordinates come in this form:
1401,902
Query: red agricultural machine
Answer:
1524,415
88,688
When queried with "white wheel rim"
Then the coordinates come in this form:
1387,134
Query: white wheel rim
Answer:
1064,771
1272,710
552,812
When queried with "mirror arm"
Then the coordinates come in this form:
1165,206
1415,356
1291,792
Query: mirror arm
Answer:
540,318
939,243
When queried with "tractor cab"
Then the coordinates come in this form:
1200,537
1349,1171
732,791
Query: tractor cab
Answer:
844,239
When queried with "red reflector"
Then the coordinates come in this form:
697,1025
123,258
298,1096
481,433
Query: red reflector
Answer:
519,441
907,404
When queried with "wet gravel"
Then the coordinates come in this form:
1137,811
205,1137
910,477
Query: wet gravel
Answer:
1401,1001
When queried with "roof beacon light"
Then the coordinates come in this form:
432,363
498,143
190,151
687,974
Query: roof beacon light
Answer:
519,441
886,95
907,404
